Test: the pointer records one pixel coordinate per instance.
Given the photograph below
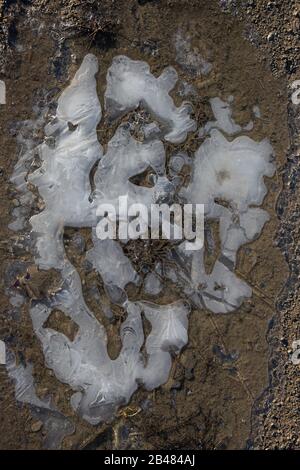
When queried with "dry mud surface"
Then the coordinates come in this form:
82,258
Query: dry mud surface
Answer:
234,385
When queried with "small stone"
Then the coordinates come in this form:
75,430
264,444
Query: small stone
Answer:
271,36
36,426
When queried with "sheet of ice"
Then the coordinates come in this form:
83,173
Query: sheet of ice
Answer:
227,177
130,83
102,384
2,92
63,178
152,284
256,111
236,231
233,171
169,333
20,214
126,157
186,89
2,353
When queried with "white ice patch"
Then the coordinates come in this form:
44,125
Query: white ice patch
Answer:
63,178
126,157
130,83
110,262
169,333
256,111
227,176
152,285
232,170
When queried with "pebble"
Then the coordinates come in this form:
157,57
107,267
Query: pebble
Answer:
36,426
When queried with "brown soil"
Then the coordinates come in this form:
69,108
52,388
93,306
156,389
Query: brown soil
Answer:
217,395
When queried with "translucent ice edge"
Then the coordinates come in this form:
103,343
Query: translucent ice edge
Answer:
189,58
222,171
55,425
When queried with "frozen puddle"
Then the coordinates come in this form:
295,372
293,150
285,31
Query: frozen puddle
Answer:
227,176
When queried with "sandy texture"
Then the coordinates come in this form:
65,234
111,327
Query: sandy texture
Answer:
217,395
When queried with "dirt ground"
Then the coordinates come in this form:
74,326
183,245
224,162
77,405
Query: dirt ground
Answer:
234,385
